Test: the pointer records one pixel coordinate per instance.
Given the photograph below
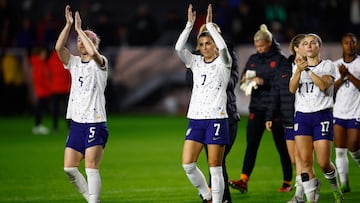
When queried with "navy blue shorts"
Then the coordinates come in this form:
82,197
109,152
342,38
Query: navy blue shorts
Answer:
319,124
85,135
348,123
289,133
208,131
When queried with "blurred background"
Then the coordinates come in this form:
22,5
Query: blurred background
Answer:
138,38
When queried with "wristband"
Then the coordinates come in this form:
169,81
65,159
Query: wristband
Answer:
307,69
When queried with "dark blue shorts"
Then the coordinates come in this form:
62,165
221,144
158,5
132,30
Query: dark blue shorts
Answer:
319,124
208,131
289,133
85,135
348,123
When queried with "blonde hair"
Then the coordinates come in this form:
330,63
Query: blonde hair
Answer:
317,38
263,34
93,37
295,42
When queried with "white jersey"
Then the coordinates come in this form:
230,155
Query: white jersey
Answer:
308,97
87,99
347,100
210,80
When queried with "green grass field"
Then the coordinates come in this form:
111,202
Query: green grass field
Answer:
142,163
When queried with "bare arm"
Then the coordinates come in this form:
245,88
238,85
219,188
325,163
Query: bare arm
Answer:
88,44
60,48
345,74
294,81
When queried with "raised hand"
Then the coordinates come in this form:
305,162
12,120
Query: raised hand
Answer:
191,14
343,70
209,14
68,15
77,21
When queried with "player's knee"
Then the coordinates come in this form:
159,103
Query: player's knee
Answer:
71,172
189,167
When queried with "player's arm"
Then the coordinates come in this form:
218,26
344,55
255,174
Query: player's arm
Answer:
60,48
346,75
88,44
219,41
184,54
301,65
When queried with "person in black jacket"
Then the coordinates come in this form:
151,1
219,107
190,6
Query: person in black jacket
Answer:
231,109
282,108
264,63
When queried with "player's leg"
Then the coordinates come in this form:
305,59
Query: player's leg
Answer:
93,156
215,157
353,142
278,132
341,160
323,153
72,160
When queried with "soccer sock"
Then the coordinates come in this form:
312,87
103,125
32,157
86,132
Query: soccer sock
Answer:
342,164
197,178
94,182
356,156
332,178
217,184
311,188
299,192
77,180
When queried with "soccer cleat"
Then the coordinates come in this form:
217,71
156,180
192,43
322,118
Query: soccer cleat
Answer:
205,200
239,185
296,200
345,188
285,188
339,198
40,130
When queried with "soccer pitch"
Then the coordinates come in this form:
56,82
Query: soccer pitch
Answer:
142,163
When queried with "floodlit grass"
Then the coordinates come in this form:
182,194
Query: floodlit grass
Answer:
142,163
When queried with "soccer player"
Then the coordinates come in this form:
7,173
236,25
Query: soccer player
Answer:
282,107
312,83
264,62
347,108
86,108
208,123
231,109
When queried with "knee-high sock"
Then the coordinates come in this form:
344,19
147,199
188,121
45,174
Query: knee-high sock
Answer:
217,184
332,177
197,178
78,181
342,164
94,183
299,192
356,156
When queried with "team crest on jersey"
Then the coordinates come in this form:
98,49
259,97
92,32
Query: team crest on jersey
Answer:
272,64
296,127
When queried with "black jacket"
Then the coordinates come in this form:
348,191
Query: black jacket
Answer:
265,66
234,78
282,101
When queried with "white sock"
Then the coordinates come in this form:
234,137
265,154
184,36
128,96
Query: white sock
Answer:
332,177
310,188
342,164
217,184
299,192
356,156
197,178
94,182
78,181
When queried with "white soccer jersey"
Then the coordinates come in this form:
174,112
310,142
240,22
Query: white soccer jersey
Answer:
208,98
308,97
347,100
88,82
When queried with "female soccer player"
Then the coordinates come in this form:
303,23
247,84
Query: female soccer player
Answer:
312,83
282,107
208,124
86,108
347,108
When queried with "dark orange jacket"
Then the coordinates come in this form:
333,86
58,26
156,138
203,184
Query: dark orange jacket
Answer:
40,76
60,77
